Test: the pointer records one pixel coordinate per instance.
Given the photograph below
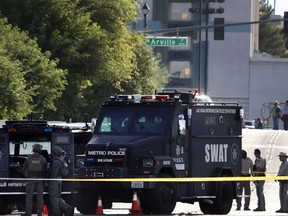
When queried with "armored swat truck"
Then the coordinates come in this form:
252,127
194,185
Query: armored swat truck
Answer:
167,135
16,141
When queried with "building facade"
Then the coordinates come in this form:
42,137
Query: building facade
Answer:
230,69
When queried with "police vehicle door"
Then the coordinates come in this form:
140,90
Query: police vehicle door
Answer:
179,142
66,141
4,156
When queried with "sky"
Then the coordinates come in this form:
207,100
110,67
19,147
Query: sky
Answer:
281,6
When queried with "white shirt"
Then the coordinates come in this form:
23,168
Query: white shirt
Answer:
247,166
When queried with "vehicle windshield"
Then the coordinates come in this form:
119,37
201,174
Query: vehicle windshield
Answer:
23,145
133,120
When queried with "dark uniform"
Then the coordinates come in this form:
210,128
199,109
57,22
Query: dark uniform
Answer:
285,115
34,167
58,205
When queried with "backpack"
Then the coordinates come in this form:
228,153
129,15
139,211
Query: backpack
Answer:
279,112
34,164
65,167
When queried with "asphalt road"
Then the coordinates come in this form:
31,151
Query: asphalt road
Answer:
270,143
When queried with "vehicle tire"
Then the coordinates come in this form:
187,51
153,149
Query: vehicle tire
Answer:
21,206
224,197
84,206
107,204
5,208
162,199
207,208
223,202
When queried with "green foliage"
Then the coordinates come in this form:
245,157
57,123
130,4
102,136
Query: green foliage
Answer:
94,45
14,99
271,38
149,74
29,79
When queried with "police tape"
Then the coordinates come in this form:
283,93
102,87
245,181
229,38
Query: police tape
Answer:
186,179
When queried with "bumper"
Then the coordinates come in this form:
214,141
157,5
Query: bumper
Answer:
92,173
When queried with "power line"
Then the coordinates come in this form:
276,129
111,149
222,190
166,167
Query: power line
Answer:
190,28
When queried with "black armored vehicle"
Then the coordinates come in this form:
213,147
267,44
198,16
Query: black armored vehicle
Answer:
169,135
16,141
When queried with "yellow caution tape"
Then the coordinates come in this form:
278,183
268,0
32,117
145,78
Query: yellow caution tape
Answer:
187,179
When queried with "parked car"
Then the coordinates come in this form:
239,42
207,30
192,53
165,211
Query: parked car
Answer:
249,124
203,99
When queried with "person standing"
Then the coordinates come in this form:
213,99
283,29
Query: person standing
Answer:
247,168
283,184
258,123
259,169
58,167
276,115
285,115
34,167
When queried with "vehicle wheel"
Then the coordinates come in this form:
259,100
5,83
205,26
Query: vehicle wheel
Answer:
207,208
5,208
107,204
162,199
21,206
84,206
224,198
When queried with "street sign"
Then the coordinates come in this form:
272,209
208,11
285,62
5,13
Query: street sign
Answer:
167,41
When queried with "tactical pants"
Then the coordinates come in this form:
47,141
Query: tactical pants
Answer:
247,192
30,188
285,122
283,190
260,194
58,205
275,122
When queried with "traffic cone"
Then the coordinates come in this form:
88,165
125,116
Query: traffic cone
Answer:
135,209
99,210
45,210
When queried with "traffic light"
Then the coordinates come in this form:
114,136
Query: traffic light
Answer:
285,28
286,23
219,31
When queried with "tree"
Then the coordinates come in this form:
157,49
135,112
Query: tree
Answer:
271,38
93,43
15,101
29,80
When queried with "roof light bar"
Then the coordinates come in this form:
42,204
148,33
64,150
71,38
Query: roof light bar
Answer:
148,97
137,98
48,130
162,97
121,97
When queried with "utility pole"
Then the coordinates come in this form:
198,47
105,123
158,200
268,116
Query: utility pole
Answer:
200,48
199,11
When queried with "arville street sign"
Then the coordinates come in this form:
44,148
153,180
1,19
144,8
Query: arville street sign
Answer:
167,41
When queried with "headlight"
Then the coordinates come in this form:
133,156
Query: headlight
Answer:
79,162
148,162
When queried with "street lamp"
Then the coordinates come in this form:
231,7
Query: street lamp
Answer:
145,11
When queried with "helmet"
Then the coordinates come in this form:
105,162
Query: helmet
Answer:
244,154
37,148
276,103
57,151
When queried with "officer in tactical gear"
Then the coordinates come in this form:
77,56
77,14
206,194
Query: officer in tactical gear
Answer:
35,166
58,205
